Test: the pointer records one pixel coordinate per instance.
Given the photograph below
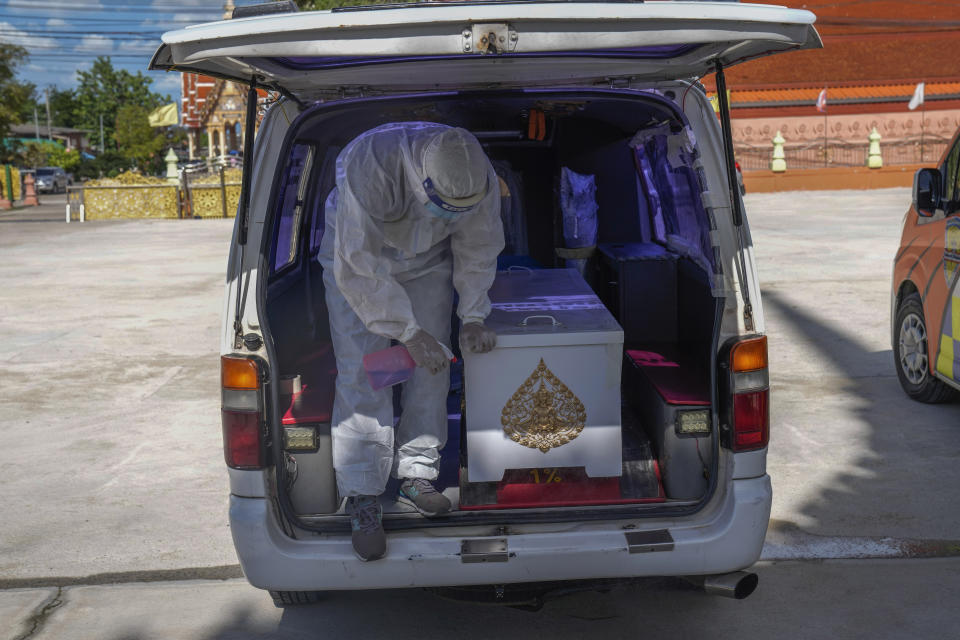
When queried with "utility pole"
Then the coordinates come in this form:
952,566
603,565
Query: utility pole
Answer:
46,93
36,124
101,133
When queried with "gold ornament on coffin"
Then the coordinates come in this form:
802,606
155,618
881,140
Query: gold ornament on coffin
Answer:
543,413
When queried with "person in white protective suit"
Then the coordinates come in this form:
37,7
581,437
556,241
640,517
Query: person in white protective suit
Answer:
415,214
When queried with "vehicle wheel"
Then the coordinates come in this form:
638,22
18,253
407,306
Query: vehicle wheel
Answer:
910,354
292,598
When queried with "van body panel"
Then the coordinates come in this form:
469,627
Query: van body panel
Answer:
750,464
733,534
266,152
246,483
314,53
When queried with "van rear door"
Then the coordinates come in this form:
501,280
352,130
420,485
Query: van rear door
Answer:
322,54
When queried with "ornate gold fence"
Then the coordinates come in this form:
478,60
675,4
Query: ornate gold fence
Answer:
133,201
14,181
207,200
207,195
211,192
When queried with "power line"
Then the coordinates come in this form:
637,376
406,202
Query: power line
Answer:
133,21
12,28
74,35
16,4
211,5
86,50
68,57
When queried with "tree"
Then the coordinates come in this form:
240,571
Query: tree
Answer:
104,90
136,139
14,95
64,108
109,163
50,154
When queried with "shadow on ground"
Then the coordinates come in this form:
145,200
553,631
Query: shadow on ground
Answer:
891,461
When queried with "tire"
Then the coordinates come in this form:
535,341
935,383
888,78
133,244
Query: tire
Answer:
910,355
293,598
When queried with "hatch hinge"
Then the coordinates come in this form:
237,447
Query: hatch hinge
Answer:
353,92
484,550
649,541
489,38
619,83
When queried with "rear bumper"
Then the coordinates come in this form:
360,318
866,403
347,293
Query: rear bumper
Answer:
731,539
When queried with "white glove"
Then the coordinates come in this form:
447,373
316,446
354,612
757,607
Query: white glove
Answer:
476,337
427,352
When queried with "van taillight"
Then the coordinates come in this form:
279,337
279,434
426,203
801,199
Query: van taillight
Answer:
750,390
241,413
751,420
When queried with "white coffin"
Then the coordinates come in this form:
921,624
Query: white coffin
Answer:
550,315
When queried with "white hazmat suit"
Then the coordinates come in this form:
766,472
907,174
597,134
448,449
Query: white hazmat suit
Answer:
415,214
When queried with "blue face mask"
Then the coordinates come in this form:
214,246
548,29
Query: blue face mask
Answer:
439,207
440,212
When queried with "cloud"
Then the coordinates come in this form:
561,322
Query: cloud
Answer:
26,8
95,44
57,22
12,35
166,84
146,47
63,75
169,21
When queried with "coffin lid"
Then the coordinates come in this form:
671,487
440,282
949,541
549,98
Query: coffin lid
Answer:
548,307
402,48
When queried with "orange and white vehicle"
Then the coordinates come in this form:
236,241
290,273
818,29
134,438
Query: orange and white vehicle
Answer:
925,301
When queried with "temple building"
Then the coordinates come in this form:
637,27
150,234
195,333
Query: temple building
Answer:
215,107
874,56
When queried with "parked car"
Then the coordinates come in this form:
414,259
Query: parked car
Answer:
51,180
544,86
925,297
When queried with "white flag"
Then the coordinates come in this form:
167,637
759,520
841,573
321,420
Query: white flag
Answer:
917,98
822,101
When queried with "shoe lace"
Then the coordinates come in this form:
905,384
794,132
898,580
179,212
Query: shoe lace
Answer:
366,513
423,486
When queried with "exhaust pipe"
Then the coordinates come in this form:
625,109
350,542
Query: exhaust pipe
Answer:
737,585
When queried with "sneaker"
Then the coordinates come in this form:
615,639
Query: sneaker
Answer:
366,522
422,496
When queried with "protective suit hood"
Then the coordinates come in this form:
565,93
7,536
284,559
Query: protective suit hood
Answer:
455,170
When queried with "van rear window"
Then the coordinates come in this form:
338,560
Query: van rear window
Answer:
293,195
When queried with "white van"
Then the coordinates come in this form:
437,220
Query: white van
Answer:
604,90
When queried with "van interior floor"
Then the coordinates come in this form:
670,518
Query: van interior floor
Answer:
538,488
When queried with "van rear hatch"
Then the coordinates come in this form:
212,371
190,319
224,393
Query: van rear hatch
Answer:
320,54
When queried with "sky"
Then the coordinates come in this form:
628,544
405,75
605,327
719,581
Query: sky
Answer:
64,36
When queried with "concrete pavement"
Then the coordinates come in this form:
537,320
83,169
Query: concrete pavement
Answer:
113,474
875,599
850,454
109,395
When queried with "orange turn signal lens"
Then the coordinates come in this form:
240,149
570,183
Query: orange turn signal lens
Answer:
239,373
749,355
